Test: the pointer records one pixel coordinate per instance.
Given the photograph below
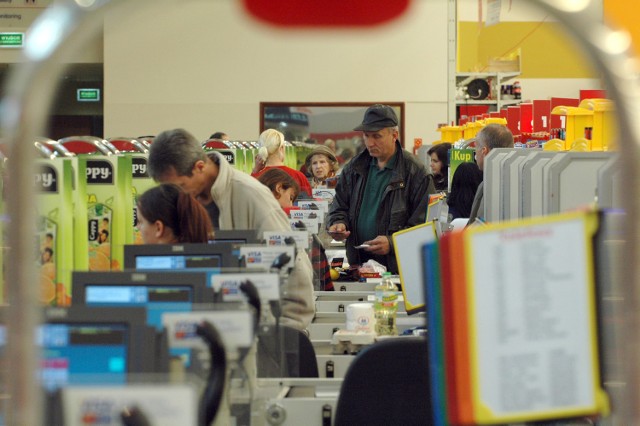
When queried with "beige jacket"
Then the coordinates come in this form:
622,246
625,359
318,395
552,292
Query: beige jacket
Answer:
245,203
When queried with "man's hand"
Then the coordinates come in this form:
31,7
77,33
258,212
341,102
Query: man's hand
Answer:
379,245
338,231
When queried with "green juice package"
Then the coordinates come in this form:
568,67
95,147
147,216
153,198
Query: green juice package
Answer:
249,159
140,183
80,231
3,298
3,165
230,154
53,250
239,158
109,209
290,158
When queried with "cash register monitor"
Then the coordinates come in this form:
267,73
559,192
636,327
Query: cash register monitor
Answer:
158,292
237,238
242,236
94,345
180,256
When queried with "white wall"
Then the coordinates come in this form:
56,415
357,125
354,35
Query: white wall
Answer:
526,11
206,66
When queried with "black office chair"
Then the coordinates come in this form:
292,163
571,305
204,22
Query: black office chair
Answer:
387,384
284,351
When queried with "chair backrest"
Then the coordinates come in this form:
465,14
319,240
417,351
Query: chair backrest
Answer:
387,383
284,351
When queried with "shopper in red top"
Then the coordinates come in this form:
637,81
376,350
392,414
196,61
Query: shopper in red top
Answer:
285,189
282,185
271,155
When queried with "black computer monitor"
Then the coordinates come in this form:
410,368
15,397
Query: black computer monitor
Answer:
158,292
180,256
242,236
94,345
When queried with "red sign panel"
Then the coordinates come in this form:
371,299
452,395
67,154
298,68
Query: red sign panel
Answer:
592,94
556,121
541,115
513,119
326,13
526,118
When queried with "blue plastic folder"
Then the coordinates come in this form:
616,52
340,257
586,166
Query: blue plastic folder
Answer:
435,336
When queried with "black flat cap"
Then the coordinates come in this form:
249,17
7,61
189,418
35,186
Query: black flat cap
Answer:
378,117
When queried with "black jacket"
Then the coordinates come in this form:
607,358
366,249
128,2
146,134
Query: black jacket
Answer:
404,201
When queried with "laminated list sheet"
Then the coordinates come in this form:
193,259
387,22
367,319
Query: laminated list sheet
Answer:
532,320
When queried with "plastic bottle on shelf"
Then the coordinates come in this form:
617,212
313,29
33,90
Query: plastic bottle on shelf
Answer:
517,90
386,306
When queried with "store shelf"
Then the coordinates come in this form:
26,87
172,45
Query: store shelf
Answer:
511,102
495,79
472,102
463,78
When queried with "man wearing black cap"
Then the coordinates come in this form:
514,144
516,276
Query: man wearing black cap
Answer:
382,190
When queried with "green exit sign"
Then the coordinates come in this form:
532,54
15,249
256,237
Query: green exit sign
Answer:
88,95
11,40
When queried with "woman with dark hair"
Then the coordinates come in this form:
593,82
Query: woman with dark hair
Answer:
464,185
286,189
439,155
168,215
282,185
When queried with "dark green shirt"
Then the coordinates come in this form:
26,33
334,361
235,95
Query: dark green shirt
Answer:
377,181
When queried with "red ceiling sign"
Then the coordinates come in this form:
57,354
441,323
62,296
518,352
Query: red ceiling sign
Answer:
326,13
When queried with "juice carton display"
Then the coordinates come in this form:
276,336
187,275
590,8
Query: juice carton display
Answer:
109,209
2,232
80,229
53,254
139,184
234,157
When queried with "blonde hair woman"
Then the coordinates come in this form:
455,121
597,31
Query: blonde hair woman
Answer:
271,155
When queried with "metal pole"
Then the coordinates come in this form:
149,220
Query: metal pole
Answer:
60,31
